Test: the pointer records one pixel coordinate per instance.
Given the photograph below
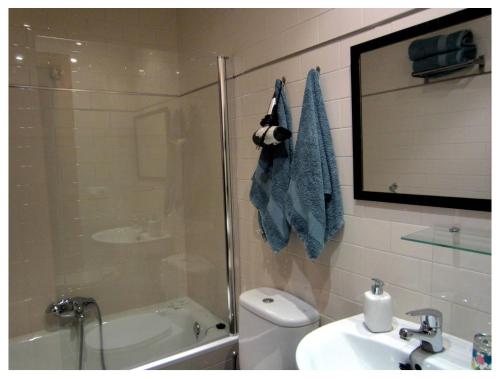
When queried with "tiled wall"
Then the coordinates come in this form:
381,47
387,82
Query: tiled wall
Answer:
459,284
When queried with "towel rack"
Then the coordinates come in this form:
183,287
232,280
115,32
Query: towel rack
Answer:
480,61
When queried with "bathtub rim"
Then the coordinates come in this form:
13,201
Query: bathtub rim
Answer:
190,353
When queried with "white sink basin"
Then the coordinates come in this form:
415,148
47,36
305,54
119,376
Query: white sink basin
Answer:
347,344
126,235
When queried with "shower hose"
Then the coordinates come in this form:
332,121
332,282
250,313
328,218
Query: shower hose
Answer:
82,339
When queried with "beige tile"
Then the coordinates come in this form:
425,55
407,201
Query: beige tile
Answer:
412,249
337,22
467,322
463,287
374,15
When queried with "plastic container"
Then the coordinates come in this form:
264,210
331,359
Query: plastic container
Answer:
377,308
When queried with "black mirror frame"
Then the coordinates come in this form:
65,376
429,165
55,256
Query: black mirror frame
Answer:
357,137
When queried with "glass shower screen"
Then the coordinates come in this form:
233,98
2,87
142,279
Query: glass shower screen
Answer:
116,191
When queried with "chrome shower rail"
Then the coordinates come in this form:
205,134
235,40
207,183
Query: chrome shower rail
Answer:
228,206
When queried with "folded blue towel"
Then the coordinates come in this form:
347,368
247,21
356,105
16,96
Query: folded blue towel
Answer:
422,48
443,60
313,203
271,178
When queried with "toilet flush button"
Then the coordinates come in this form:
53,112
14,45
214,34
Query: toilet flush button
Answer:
267,300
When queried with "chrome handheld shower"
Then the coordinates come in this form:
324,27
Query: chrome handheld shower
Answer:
76,307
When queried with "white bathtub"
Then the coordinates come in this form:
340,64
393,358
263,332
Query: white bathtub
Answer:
131,339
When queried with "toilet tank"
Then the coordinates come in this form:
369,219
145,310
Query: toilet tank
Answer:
271,325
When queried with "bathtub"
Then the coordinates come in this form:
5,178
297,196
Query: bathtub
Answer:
146,338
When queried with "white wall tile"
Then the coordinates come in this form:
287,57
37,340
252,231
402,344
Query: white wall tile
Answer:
278,20
340,21
349,285
342,142
336,85
374,15
349,257
466,322
351,206
370,243
306,14
301,36
402,271
339,307
333,112
344,166
404,300
375,234
412,249
289,68
462,259
463,287
326,57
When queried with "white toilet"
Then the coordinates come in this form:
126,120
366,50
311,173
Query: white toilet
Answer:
271,324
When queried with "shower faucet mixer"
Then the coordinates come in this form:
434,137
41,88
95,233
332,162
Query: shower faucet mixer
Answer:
70,307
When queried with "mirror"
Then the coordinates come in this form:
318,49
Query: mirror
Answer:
421,107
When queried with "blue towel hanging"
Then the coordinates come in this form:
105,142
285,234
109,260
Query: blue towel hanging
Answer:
313,202
270,181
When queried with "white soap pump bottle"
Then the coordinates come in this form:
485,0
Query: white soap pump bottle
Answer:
378,308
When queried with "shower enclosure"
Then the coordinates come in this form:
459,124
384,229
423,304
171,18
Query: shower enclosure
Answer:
119,192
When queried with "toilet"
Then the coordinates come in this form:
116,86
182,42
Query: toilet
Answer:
271,324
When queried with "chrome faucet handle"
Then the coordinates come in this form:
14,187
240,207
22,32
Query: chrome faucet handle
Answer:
430,333
429,318
62,308
70,306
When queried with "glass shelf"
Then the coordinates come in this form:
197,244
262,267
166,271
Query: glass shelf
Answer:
470,241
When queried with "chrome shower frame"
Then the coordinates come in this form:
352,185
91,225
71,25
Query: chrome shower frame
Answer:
228,200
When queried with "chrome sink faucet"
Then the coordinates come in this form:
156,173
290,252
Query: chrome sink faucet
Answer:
430,332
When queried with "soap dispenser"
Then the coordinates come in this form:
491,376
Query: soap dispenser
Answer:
378,308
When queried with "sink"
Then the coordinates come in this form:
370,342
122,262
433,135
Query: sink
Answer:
347,344
126,235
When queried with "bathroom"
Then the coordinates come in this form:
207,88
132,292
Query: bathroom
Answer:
134,238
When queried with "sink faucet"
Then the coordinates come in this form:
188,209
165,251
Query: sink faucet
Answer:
430,332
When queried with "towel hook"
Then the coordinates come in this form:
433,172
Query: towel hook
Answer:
283,79
318,69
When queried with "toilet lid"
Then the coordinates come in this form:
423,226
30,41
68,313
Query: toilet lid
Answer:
279,307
